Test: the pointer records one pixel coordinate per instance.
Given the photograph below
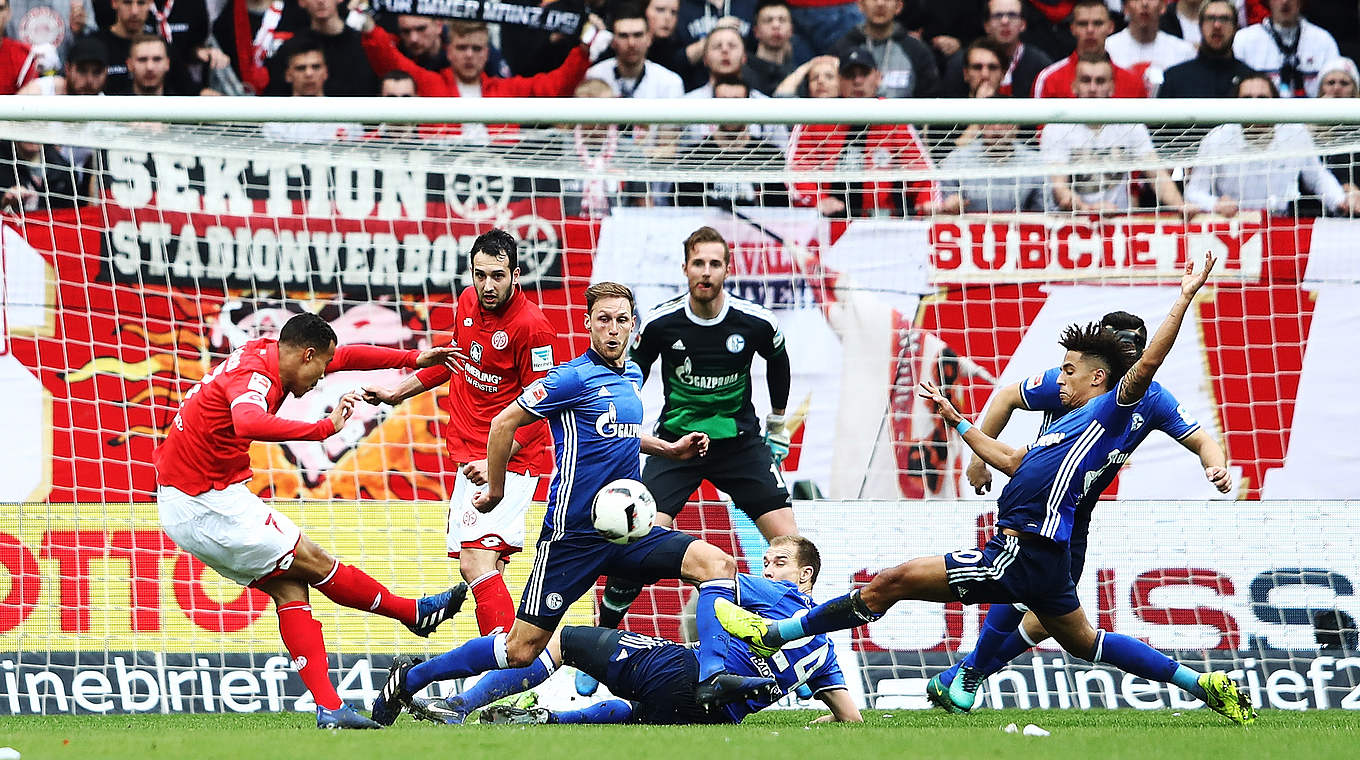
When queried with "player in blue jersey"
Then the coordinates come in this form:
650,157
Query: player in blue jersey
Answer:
595,413
1028,560
1008,631
655,678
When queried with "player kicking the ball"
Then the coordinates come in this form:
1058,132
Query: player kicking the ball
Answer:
205,508
1028,561
593,407
1008,631
509,344
656,677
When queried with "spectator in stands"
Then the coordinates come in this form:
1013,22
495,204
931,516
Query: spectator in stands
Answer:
251,31
58,23
18,65
905,65
1288,48
820,23
1181,19
948,27
1003,26
629,73
996,146
1340,79
1109,190
697,18
305,71
350,72
724,57
35,177
666,48
1091,26
1048,27
1341,20
129,21
421,39
732,147
599,155
825,147
397,84
148,71
1214,71
468,48
1270,183
87,69
1145,49
818,78
777,52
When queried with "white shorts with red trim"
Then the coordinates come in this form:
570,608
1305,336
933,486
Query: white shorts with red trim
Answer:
231,530
501,529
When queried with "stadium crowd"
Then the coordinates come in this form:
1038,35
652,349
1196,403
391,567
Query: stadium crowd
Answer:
743,49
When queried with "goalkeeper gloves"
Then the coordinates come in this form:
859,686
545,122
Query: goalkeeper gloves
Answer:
776,437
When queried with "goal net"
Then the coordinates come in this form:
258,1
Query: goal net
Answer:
139,249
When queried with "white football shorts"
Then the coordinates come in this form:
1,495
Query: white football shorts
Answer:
231,530
501,529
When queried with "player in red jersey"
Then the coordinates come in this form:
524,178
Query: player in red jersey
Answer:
509,345
202,467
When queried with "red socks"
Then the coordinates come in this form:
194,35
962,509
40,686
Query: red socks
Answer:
302,637
351,587
495,607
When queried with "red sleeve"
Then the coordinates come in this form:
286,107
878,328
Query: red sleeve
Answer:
383,56
252,74
253,422
364,356
559,83
433,376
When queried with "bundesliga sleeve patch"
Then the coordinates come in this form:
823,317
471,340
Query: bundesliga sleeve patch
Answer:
259,383
540,358
534,394
1034,382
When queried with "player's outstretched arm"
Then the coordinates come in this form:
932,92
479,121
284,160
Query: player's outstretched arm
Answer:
1211,457
995,453
1139,377
842,707
1003,403
691,445
251,420
499,446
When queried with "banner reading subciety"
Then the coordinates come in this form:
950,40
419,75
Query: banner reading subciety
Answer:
564,16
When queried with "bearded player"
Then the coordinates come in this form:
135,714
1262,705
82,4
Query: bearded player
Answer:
204,462
509,345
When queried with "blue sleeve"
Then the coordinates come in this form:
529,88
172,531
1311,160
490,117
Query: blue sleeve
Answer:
553,392
1170,416
1040,392
760,594
1107,410
828,676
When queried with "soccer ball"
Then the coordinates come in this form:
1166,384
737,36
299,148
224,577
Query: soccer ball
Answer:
623,511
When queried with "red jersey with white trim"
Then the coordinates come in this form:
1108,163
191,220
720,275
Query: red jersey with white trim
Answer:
509,349
208,447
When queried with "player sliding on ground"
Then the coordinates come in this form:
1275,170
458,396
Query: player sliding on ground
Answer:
204,462
1028,561
1008,631
595,412
656,678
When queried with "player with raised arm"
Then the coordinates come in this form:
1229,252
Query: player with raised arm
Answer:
509,345
706,340
1008,631
204,462
1028,560
656,677
593,407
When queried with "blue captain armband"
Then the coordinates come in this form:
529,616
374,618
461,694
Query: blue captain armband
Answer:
963,427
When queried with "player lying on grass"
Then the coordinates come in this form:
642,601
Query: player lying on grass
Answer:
655,679
204,462
1028,561
1004,636
595,412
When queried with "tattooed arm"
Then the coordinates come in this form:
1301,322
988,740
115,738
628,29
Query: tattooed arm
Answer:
1136,381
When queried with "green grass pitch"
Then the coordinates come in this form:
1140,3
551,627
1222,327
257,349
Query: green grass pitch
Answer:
1089,735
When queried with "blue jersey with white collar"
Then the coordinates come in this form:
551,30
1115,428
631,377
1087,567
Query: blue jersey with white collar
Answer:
1157,410
810,661
595,414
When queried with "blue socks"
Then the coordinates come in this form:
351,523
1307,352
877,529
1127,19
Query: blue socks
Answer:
1133,656
1189,680
502,683
996,643
608,711
843,612
713,639
475,656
